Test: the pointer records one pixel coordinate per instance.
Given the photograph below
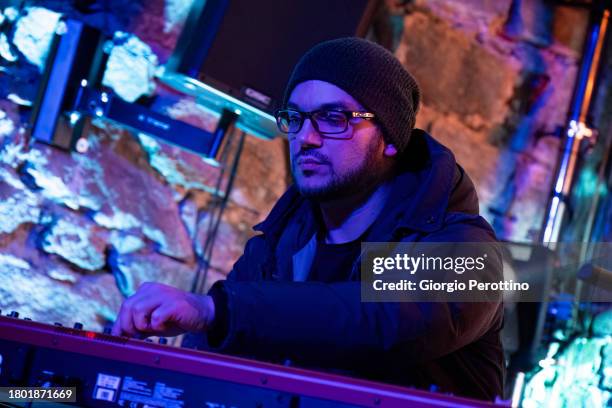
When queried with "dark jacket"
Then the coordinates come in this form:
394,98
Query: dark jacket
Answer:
453,347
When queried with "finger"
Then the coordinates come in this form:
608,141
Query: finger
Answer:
127,325
141,312
140,321
163,317
116,330
152,288
118,326
146,287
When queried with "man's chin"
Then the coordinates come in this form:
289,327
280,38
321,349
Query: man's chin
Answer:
325,193
314,192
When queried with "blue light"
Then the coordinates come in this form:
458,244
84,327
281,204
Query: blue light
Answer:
74,117
551,219
584,72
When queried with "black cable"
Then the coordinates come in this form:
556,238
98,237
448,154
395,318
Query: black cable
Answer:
203,261
223,205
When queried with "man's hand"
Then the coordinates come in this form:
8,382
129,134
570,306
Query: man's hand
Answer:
161,310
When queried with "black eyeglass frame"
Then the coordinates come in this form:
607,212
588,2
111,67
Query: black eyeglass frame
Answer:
309,115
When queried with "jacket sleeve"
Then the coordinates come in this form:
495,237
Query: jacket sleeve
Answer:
328,325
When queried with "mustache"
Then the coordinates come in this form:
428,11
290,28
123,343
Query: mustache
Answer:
312,154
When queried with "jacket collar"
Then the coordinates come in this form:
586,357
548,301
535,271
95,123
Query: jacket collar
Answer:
418,200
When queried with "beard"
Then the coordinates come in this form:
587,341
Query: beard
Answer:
357,181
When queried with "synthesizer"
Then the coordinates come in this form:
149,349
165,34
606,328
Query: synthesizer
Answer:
111,371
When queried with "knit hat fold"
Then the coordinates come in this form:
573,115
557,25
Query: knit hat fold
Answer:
370,74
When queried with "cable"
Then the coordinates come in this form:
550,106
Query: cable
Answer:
223,205
202,260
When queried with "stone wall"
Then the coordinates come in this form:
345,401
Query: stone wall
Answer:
497,100
80,231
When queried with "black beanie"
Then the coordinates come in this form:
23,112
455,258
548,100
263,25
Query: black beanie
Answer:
370,74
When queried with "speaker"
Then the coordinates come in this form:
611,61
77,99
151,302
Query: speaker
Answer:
76,54
243,51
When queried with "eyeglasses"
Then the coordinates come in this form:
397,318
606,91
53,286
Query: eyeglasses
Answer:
326,122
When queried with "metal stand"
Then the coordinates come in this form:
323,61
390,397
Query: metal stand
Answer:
220,196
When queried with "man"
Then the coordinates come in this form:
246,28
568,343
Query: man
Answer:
361,174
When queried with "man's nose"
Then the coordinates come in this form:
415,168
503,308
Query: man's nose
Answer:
308,134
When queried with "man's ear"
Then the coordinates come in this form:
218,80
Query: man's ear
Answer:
390,150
